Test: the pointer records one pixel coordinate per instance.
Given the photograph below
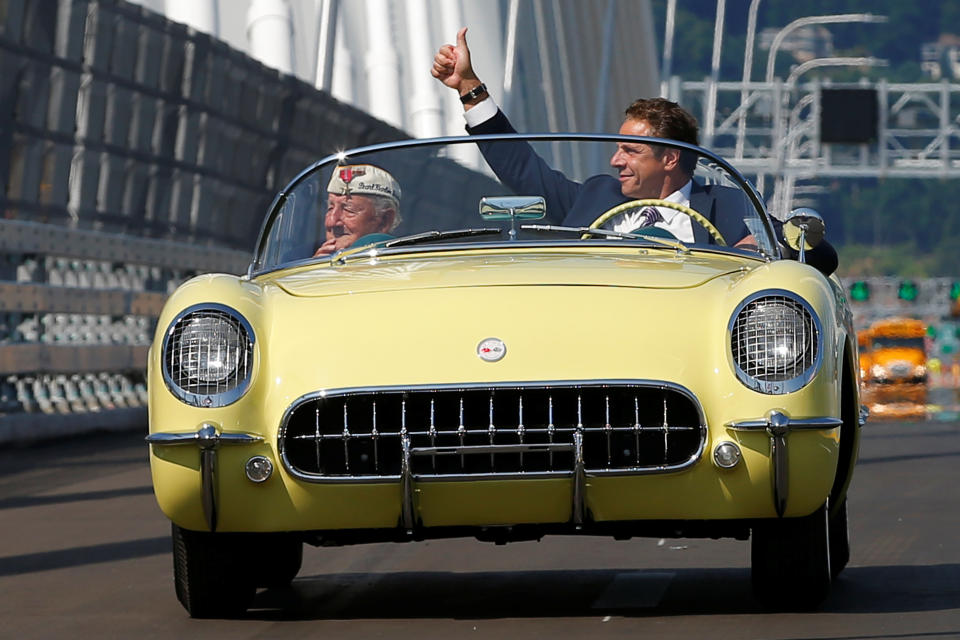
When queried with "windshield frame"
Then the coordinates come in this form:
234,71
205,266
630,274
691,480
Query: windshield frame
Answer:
343,156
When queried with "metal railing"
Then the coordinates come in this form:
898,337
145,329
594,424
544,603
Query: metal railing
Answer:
134,153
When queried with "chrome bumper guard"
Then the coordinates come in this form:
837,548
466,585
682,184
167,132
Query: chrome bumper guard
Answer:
778,425
208,438
579,470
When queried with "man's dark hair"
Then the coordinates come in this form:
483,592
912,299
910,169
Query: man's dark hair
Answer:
668,120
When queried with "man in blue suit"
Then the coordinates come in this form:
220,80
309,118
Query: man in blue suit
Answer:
643,171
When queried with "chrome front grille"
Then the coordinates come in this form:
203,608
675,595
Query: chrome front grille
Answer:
526,430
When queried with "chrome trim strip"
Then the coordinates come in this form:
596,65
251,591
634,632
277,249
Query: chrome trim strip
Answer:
208,486
471,386
406,487
506,245
783,386
778,425
794,423
161,438
567,384
219,399
173,439
519,475
604,430
488,448
778,428
579,480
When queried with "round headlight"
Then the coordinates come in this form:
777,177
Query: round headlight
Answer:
212,348
775,342
208,355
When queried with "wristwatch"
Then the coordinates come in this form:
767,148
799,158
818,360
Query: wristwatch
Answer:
474,93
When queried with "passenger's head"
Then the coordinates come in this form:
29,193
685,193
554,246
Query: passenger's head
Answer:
361,199
650,171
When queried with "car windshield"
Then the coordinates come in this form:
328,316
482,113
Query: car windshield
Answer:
497,191
884,342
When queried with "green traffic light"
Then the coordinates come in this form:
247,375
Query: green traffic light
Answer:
954,290
907,291
860,291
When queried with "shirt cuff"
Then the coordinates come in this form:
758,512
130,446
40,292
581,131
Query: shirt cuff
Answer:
481,112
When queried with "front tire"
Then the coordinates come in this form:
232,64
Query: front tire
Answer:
839,539
790,560
281,560
209,573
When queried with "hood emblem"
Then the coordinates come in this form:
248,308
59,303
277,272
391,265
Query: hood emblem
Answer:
491,349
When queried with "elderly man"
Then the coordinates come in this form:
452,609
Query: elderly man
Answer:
363,204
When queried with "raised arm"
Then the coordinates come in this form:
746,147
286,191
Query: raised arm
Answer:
452,67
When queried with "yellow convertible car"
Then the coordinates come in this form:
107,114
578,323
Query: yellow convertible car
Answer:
498,337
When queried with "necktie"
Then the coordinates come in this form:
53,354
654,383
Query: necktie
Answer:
648,217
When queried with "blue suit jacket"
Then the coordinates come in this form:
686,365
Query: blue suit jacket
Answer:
572,203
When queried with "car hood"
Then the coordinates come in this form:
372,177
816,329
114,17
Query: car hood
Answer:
567,318
652,270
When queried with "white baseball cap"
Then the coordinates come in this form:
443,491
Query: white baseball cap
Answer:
364,179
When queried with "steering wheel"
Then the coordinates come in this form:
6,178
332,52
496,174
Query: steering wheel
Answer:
696,216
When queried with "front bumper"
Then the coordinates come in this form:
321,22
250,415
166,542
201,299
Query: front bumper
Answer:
579,499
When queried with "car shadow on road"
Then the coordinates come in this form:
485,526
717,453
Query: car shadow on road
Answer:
629,592
86,555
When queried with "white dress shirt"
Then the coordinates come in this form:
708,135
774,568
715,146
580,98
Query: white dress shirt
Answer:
481,112
677,223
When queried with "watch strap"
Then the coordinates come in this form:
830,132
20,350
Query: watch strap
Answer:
474,93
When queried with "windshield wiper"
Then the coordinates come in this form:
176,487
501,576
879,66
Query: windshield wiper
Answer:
609,233
430,236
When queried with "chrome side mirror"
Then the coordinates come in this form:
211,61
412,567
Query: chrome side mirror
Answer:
513,208
803,230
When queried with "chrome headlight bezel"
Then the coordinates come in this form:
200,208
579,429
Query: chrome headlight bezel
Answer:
207,391
806,363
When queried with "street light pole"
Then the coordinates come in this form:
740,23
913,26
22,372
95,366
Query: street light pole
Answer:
665,69
714,73
832,62
802,22
747,69
326,40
